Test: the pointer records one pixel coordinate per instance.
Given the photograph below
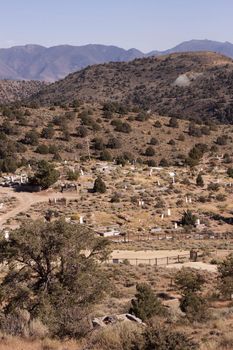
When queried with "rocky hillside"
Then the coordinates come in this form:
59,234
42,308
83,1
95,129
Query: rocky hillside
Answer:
13,90
35,62
113,133
185,85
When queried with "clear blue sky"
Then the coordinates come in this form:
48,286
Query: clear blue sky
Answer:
144,24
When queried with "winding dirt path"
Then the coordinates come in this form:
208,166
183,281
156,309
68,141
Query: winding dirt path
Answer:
25,200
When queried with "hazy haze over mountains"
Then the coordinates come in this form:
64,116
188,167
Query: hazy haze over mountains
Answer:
34,62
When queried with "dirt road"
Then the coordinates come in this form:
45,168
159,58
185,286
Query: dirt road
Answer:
25,200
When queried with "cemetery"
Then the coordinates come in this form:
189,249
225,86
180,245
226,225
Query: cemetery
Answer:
158,221
141,204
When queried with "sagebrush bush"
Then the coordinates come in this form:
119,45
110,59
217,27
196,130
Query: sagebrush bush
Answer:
160,337
121,336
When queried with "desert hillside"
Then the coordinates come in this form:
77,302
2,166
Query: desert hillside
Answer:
15,90
150,194
185,85
106,132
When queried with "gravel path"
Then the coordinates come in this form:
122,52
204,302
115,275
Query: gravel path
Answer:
26,200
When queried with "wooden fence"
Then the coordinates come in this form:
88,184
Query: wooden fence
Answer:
173,236
164,261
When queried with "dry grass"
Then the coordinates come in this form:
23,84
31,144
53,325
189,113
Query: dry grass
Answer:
118,337
10,343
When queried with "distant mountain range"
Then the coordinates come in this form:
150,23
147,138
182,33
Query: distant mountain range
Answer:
34,62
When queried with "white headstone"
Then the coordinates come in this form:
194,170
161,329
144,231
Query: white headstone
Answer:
175,225
6,235
81,220
169,212
172,174
162,216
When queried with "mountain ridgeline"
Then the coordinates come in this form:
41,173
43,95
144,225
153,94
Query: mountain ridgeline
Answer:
184,85
35,62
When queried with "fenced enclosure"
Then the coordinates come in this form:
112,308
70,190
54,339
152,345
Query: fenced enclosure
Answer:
163,261
173,236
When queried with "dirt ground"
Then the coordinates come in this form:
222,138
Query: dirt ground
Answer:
25,200
195,265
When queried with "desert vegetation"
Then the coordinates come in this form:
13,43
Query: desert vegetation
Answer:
116,210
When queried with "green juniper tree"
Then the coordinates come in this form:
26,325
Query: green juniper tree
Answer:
199,181
99,185
45,176
192,302
146,304
53,274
